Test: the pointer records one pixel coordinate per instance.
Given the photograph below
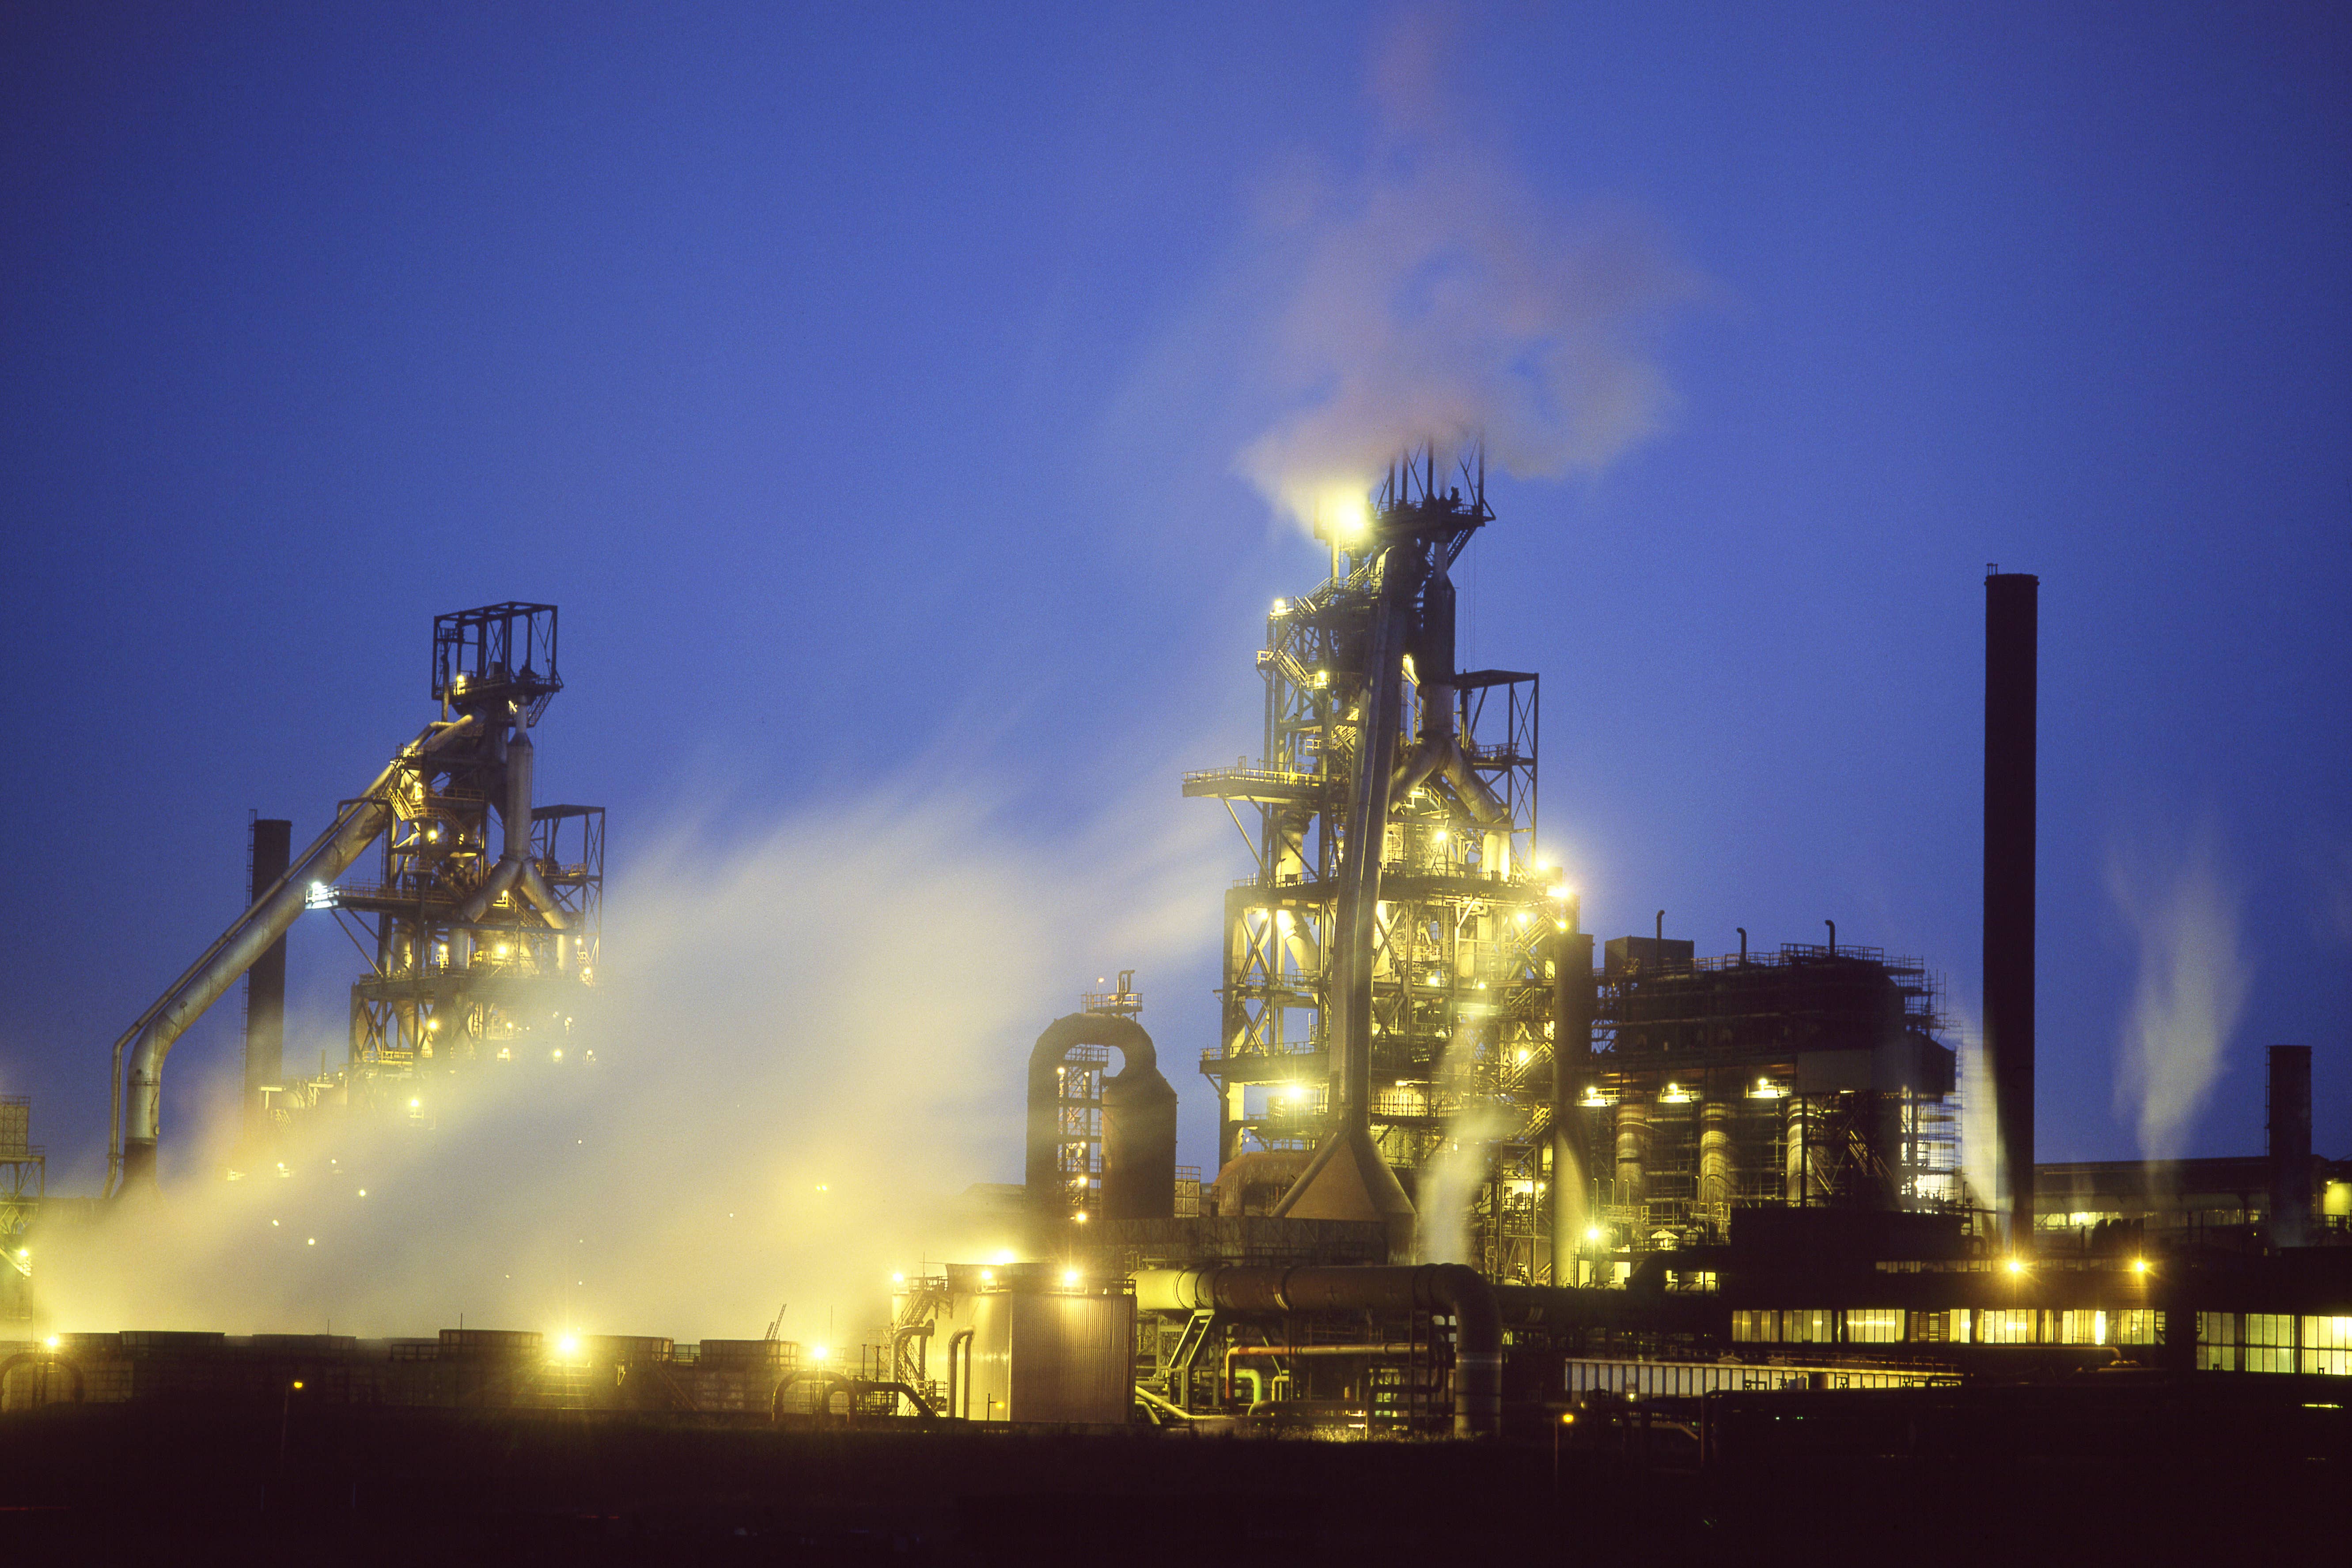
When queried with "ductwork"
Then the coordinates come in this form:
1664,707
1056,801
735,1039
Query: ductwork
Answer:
1347,1178
1139,1133
1449,1288
136,1114
1437,753
515,872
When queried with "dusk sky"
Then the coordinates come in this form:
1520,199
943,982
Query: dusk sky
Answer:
874,389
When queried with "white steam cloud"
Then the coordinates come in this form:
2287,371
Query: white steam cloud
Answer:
1438,297
809,1042
2190,990
1450,1182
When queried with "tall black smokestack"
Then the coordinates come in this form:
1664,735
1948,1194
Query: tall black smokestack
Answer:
2290,1130
270,846
2011,635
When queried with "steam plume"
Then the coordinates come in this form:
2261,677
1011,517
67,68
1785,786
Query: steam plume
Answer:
2190,990
1438,296
808,1043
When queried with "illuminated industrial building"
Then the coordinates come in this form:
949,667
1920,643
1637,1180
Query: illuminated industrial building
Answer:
476,948
1663,1217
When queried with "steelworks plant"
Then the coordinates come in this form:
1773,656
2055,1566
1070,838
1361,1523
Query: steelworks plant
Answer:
1673,1225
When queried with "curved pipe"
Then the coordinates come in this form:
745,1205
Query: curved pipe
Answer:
135,1124
1252,1353
1446,1288
853,1386
1743,943
514,871
1832,925
899,1338
962,1338
1139,1118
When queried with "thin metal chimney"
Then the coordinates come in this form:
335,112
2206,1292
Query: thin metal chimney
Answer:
2012,635
2290,1146
270,847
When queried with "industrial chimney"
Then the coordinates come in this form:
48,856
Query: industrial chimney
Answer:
2289,1143
269,848
2011,633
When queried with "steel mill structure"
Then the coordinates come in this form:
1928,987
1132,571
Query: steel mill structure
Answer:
1480,1178
481,928
1439,991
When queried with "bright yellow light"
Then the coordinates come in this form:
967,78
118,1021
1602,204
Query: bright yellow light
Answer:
2139,1265
559,1052
1069,1276
1004,1256
568,1345
1281,607
297,1382
309,1241
53,1341
818,1353
895,1279
1080,1216
1346,513
1560,891
1523,1055
501,950
1437,836
1592,1233
2017,1266
414,1104
1569,1419
362,1192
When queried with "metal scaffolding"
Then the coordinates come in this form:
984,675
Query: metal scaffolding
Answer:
1461,1002
467,959
1809,1076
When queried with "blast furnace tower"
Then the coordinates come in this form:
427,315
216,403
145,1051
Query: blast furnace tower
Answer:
1387,1001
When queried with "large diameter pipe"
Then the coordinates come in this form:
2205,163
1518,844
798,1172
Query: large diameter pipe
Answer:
1449,1289
2012,653
514,872
1138,1119
136,1109
1348,1178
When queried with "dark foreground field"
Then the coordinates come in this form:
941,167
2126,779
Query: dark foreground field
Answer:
2146,1475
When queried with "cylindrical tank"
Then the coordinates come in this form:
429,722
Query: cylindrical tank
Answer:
1796,1127
1632,1148
1139,1144
1718,1174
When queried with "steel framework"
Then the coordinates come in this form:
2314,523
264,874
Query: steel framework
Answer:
1461,1029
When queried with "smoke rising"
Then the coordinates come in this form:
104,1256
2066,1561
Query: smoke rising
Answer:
1437,295
2190,990
809,1041
1450,1182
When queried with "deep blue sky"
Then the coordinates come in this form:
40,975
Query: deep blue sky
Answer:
851,376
